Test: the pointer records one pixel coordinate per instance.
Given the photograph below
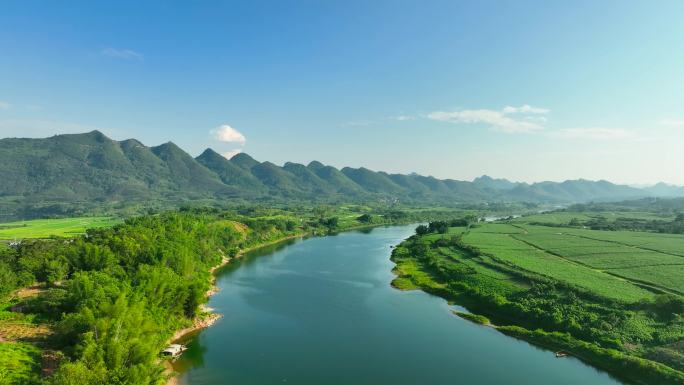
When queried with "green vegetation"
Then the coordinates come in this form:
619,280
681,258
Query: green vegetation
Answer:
478,319
645,215
46,228
19,363
614,299
108,302
91,174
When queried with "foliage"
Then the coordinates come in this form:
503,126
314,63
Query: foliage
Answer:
82,174
19,363
115,295
520,276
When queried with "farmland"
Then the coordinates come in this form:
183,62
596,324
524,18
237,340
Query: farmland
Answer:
46,228
614,296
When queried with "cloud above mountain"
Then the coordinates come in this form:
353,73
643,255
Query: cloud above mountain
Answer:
226,133
510,120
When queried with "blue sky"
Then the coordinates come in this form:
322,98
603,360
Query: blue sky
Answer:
528,90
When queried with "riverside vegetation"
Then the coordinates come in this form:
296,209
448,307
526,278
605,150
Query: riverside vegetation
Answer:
98,308
611,298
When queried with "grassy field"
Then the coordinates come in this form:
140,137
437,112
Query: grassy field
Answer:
645,258
45,228
507,244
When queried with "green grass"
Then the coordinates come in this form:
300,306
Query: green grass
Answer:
411,276
478,319
45,228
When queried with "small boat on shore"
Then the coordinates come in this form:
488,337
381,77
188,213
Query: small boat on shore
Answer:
561,354
174,351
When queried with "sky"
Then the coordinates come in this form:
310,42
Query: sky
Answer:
526,90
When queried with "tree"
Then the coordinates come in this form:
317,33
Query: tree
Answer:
331,223
422,230
56,270
365,218
77,373
8,280
440,227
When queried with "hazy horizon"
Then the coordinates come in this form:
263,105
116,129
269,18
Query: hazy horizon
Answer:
450,89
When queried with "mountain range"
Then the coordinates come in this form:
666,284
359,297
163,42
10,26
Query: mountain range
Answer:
92,168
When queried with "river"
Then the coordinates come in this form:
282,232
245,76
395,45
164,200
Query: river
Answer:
321,311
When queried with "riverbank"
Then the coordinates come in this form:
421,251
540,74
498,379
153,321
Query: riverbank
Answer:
207,317
518,304
281,303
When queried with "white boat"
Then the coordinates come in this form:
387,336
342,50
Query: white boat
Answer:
174,350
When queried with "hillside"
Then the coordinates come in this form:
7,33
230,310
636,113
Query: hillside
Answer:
67,173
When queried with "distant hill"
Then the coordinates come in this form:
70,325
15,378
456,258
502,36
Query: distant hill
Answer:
665,190
573,191
488,182
85,171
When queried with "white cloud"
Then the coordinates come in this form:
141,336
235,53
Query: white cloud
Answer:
525,109
496,119
4,105
125,54
226,133
672,122
403,118
231,153
596,133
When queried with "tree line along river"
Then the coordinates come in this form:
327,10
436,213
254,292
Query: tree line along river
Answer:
322,311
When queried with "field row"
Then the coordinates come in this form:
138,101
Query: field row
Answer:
496,240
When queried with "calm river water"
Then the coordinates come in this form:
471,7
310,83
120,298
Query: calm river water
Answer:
321,311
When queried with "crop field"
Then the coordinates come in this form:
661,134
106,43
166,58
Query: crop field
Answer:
650,258
497,241
558,218
670,277
666,243
45,228
598,254
564,217
486,277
